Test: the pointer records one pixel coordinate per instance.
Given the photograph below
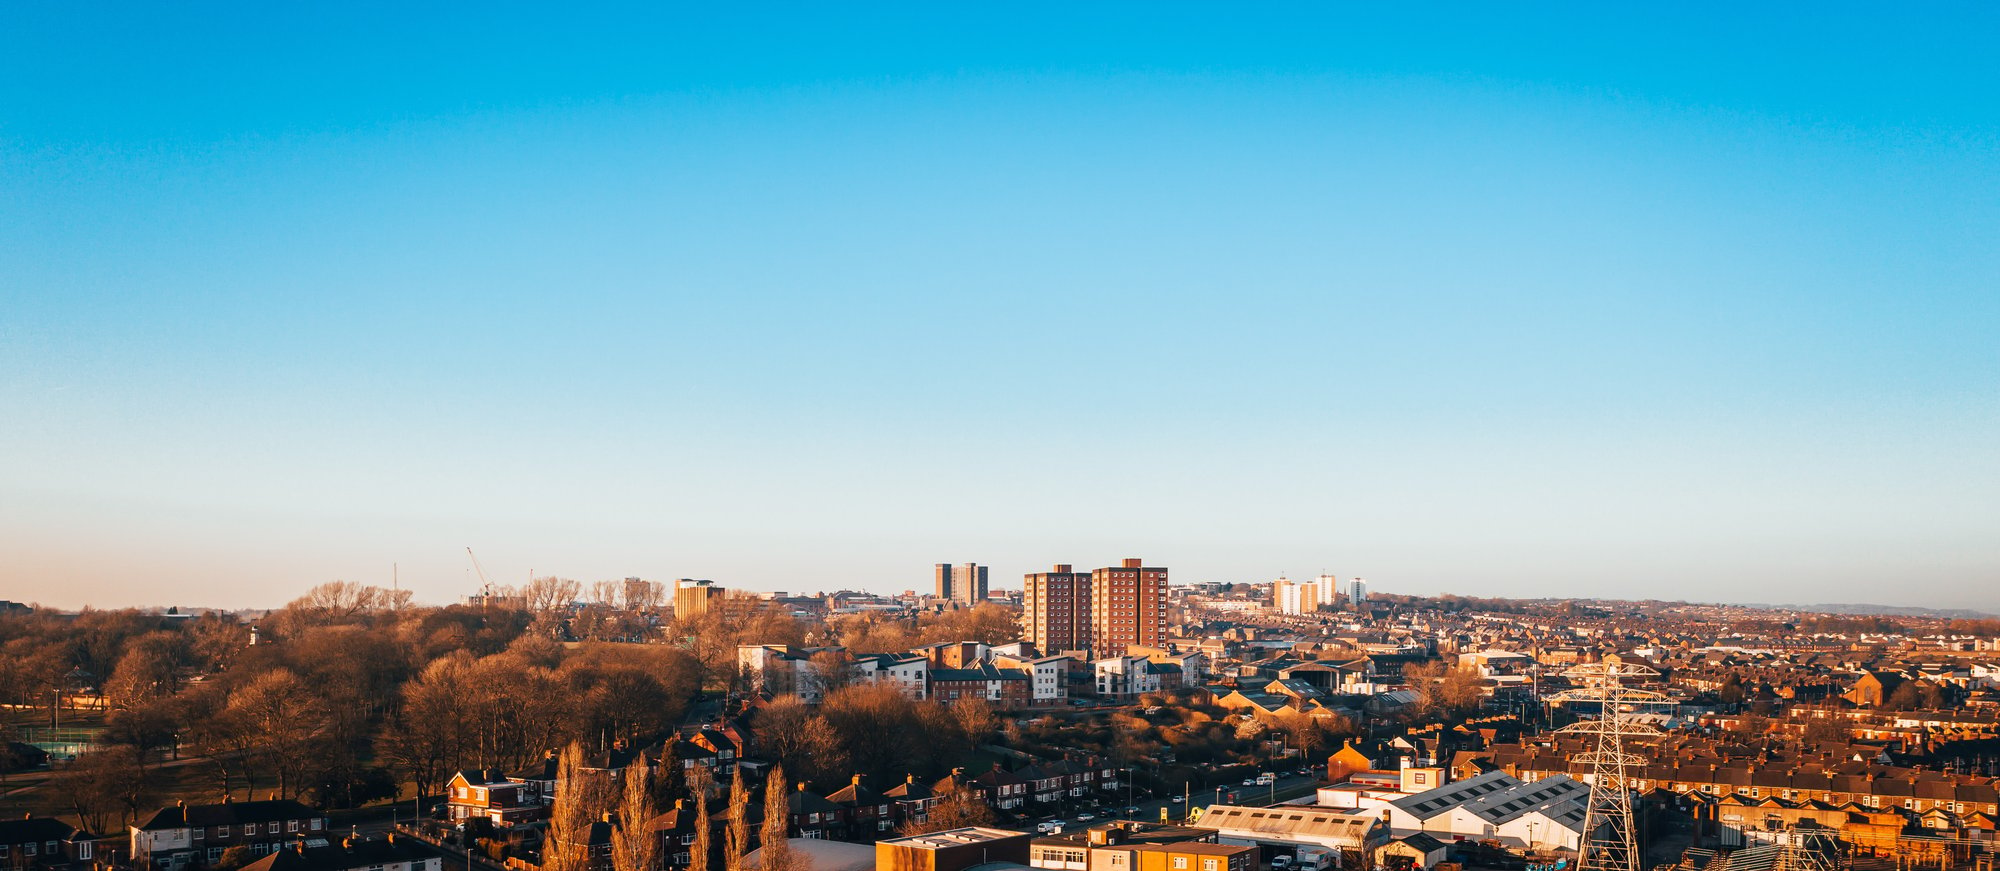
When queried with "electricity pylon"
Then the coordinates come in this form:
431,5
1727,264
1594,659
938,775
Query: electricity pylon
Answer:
1610,839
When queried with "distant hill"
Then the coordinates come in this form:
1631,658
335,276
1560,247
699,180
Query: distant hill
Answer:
1864,609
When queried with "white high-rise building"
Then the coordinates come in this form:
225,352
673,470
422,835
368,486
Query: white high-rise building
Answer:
1326,589
1294,597
1357,592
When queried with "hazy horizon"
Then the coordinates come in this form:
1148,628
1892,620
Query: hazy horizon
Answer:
1637,302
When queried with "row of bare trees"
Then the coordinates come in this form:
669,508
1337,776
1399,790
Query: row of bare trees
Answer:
584,797
872,730
875,633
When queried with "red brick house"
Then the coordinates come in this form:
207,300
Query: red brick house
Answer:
504,800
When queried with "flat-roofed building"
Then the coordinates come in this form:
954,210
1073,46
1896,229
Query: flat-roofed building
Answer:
1135,846
1128,605
1355,835
952,849
1055,609
1195,857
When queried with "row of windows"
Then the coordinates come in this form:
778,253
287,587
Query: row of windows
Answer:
274,828
31,849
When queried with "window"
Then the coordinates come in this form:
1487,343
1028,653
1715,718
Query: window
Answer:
1180,863
291,825
315,824
222,831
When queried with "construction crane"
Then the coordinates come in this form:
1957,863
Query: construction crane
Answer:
485,586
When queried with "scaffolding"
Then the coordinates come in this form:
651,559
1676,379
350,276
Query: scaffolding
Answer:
1811,850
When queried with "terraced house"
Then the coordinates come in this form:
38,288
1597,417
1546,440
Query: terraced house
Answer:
195,836
43,842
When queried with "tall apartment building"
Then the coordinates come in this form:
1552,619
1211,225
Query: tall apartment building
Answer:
1294,597
1357,592
693,598
1055,609
1326,589
1128,605
964,584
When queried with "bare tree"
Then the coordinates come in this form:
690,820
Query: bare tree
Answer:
776,851
550,594
827,670
800,739
287,721
632,844
739,823
577,801
954,810
641,596
698,784
103,785
338,601
430,735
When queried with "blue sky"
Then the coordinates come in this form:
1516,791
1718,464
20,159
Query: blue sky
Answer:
1675,302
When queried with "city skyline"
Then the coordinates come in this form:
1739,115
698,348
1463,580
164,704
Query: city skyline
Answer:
1684,303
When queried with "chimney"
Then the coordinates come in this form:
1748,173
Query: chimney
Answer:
802,786
857,780
1134,562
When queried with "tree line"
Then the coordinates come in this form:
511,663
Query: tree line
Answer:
352,693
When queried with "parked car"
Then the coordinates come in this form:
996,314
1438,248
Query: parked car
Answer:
1084,818
1280,862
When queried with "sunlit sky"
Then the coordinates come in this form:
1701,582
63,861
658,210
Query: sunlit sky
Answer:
1672,301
